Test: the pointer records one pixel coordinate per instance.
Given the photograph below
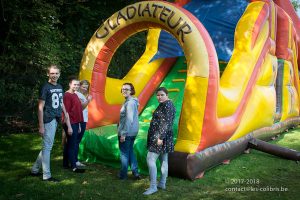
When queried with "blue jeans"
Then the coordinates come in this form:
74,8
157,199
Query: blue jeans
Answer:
127,157
79,137
151,162
70,146
43,158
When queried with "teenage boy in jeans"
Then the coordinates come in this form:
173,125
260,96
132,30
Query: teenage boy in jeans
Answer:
50,107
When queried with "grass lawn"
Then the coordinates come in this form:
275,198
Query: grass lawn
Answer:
254,171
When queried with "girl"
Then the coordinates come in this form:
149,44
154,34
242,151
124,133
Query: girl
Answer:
127,130
160,139
74,109
85,98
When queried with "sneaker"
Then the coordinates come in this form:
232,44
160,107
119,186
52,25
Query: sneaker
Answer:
35,174
137,177
161,186
51,179
77,170
79,164
150,191
121,177
66,167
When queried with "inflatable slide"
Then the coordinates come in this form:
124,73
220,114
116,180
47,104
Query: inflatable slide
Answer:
255,95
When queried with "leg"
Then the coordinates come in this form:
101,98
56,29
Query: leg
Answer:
48,139
66,147
72,145
151,162
79,137
124,157
132,158
37,164
164,170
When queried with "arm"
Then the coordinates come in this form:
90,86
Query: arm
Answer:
67,119
129,115
129,120
85,104
166,122
41,105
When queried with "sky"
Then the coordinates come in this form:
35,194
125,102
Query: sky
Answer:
298,12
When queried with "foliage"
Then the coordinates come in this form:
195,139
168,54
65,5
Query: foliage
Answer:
29,42
18,152
296,4
36,33
126,55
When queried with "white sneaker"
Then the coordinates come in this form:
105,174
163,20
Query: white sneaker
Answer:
150,191
79,164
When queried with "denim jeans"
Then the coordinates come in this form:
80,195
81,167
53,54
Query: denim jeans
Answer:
79,137
151,162
70,146
127,157
43,158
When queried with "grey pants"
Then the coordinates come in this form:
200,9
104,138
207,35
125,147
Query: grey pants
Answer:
43,159
151,161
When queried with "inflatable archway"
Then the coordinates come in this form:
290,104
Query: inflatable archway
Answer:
202,65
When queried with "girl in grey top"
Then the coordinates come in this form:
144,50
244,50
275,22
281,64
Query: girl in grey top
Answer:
127,130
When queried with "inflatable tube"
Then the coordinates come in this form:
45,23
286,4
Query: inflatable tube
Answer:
193,166
274,149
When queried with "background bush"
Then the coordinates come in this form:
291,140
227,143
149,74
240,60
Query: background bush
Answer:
36,33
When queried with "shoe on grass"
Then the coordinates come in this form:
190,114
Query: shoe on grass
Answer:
66,166
51,179
161,186
79,164
35,174
137,177
77,170
150,191
122,178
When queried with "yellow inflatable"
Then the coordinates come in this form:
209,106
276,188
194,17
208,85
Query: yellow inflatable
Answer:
257,93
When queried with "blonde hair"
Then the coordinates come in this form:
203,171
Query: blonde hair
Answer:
52,66
86,82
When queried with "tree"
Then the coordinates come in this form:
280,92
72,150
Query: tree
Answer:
296,4
36,33
29,42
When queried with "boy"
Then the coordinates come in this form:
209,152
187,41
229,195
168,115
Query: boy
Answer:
50,107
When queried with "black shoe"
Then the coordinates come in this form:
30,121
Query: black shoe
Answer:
138,177
51,179
35,174
77,170
122,178
66,167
